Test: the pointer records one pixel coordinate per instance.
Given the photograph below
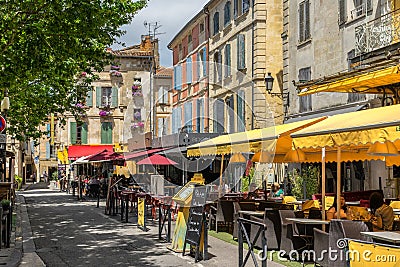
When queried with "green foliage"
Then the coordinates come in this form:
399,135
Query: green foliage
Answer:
45,46
18,180
310,176
5,202
54,176
247,179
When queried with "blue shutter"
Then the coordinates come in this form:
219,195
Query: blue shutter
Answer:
241,112
219,116
235,8
178,77
178,118
114,97
47,150
227,60
98,97
89,98
189,70
188,118
200,116
198,65
241,52
173,122
48,129
32,147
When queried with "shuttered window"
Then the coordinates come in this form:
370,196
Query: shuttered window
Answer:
188,118
106,132
89,98
304,21
114,97
84,134
241,52
235,8
200,115
204,61
245,5
227,13
230,105
73,133
240,112
227,60
178,77
176,119
219,116
189,70
305,101
219,66
342,11
216,23
48,150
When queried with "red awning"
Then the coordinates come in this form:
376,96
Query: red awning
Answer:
77,151
104,155
156,159
134,155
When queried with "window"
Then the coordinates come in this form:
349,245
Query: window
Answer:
227,13
304,21
106,133
219,116
163,95
235,8
189,70
227,60
162,124
241,52
305,101
178,77
89,98
361,7
137,114
180,47
240,111
230,105
50,151
216,23
245,5
106,93
354,97
78,133
189,38
201,27
202,63
200,115
342,12
176,119
218,66
188,117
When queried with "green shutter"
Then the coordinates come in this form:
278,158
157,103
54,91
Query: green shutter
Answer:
89,98
98,96
241,52
114,97
48,130
106,133
84,134
72,130
47,150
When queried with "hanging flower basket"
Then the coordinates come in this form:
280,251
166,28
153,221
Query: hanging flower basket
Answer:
137,125
83,74
115,73
79,105
115,67
136,87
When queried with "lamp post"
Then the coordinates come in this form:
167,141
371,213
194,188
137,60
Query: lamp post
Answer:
269,83
5,106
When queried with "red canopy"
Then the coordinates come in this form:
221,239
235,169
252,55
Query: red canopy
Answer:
104,155
156,160
77,151
134,155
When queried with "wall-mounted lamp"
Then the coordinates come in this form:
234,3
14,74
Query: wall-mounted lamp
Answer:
269,83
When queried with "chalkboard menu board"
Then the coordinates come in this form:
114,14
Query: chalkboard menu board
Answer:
196,218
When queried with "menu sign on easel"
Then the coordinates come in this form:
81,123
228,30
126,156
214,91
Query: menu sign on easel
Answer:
195,222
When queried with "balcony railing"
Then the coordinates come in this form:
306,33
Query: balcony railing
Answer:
378,33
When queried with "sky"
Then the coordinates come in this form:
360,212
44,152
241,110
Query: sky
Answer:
172,15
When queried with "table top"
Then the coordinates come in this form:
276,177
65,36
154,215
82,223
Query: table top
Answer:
297,202
252,212
307,221
393,237
353,203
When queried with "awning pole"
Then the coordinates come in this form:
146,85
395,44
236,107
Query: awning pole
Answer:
323,186
338,182
220,176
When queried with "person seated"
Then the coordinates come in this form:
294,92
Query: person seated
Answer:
382,215
276,191
332,213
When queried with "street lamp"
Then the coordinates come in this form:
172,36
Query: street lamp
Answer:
269,83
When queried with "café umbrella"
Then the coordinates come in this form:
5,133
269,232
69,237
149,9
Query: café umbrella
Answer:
156,159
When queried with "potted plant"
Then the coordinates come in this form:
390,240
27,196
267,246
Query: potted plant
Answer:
5,203
306,183
18,181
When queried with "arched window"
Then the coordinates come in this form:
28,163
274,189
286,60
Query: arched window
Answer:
216,23
227,13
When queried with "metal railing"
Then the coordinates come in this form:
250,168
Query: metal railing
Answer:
377,33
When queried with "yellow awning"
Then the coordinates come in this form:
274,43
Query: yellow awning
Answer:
250,141
359,83
354,128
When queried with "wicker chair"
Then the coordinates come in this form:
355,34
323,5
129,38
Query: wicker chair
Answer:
224,214
273,233
321,245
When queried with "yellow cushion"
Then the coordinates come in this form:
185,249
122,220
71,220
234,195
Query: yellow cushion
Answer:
289,200
329,202
395,204
310,204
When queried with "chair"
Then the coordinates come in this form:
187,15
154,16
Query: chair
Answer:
321,246
272,231
247,205
314,213
290,237
224,213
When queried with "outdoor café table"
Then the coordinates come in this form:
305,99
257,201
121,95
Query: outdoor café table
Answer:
125,195
387,236
307,221
353,203
256,213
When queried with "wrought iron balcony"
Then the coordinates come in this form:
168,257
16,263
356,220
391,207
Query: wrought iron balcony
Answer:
378,33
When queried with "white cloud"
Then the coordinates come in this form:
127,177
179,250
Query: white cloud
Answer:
172,15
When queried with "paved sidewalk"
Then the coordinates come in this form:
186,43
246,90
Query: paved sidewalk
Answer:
65,232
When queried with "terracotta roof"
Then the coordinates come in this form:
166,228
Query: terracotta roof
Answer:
145,48
164,72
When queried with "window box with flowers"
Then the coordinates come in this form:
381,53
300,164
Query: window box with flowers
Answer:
137,125
137,88
105,112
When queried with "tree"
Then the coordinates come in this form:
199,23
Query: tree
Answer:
45,45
